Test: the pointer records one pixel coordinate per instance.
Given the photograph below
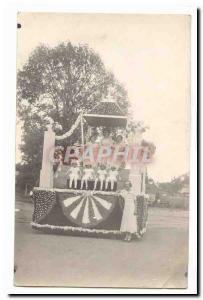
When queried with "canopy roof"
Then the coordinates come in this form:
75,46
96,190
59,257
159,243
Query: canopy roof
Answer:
106,113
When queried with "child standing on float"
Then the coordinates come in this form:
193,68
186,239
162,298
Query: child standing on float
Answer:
129,218
100,176
74,174
88,174
112,177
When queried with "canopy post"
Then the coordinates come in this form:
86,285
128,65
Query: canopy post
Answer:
82,129
82,135
89,131
46,173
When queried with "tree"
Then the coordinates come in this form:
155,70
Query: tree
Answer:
57,84
24,178
175,185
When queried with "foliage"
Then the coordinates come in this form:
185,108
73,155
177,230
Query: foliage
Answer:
170,188
175,185
54,85
25,177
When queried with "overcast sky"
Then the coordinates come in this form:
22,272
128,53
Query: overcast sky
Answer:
149,54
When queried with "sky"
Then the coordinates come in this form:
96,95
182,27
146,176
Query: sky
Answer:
148,54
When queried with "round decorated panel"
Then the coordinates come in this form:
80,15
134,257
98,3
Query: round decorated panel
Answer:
87,208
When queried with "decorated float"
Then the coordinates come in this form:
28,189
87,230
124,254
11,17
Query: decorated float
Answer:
80,191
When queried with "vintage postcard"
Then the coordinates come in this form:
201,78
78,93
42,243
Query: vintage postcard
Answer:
102,150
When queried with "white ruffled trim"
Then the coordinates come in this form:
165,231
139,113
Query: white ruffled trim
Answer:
71,228
79,229
77,191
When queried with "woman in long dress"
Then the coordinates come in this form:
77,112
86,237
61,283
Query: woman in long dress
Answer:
129,218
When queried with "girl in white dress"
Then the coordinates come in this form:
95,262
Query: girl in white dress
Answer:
88,174
129,219
101,176
106,140
112,177
74,174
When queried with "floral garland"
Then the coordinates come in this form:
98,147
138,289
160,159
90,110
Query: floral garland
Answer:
142,216
70,132
144,229
77,229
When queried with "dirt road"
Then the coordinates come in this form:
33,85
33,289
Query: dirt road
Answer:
159,260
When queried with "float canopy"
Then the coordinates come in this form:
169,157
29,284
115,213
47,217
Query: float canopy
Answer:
106,113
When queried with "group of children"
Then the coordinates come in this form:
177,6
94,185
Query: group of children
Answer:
101,175
105,137
105,175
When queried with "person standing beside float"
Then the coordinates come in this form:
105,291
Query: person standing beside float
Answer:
129,218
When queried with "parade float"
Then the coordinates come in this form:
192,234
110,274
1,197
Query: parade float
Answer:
80,190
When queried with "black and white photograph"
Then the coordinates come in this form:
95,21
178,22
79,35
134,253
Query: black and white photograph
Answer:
102,173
